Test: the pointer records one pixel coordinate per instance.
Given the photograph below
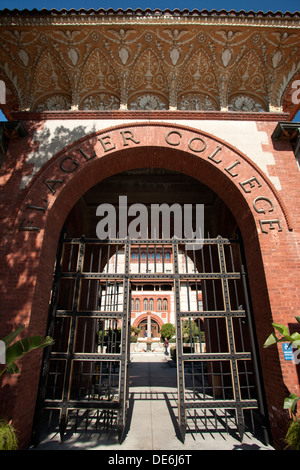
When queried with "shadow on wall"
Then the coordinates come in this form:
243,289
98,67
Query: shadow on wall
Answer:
20,257
52,139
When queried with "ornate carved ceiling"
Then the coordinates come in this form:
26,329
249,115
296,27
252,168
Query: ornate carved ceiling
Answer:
107,62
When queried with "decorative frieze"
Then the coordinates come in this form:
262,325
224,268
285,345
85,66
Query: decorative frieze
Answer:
145,63
245,104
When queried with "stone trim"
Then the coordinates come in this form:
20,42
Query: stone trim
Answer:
167,114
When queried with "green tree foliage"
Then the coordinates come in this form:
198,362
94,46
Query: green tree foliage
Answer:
167,331
18,349
294,339
292,437
190,330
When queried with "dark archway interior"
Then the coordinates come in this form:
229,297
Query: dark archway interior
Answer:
150,186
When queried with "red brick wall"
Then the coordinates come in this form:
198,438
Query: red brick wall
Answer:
27,257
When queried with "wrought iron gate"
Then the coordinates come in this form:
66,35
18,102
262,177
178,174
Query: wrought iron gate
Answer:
85,375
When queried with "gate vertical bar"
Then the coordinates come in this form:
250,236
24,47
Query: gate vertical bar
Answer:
124,365
46,356
180,365
234,365
254,357
64,408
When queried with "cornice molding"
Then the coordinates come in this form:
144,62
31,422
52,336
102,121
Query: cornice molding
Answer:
150,115
55,17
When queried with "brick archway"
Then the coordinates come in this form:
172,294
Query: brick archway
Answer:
95,157
244,188
39,217
144,316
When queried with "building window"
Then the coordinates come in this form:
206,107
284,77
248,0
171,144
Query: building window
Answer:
165,304
159,305
137,304
151,304
145,304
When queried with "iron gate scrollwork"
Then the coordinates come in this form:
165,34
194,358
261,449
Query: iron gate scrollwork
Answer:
85,375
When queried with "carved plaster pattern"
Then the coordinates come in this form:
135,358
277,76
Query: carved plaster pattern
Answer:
148,76
249,78
98,74
148,66
147,101
198,76
50,79
54,103
245,104
196,102
102,101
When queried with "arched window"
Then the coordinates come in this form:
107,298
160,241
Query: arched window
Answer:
165,304
137,304
132,304
168,256
145,304
159,305
151,304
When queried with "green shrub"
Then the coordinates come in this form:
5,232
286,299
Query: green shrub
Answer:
8,437
167,331
292,437
133,339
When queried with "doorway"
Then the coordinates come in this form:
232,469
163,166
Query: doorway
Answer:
85,376
154,329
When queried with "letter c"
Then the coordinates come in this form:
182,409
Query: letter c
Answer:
173,143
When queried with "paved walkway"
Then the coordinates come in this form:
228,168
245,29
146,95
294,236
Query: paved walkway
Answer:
152,418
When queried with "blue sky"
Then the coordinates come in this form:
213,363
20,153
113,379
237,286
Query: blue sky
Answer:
247,5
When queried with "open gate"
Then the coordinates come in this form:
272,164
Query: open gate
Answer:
85,374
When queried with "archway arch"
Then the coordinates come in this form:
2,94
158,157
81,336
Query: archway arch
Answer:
216,163
143,317
243,187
